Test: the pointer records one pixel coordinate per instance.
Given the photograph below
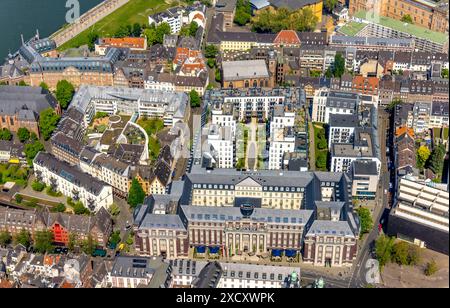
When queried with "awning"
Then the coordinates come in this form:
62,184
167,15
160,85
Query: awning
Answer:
201,249
276,252
214,249
290,253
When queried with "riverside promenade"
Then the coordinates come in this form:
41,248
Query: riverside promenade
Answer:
86,20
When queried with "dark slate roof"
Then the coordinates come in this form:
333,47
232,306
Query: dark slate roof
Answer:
361,167
162,172
209,276
70,173
69,145
343,120
31,100
439,109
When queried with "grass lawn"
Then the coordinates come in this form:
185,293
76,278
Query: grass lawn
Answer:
151,126
135,11
317,128
352,28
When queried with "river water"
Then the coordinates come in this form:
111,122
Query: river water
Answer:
25,16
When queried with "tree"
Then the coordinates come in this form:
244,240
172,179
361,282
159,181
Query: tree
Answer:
211,62
407,18
123,31
48,120
114,209
436,159
38,186
64,93
339,65
211,51
60,208
194,98
79,208
161,30
19,198
423,153
136,194
92,38
243,12
23,134
330,5
400,253
43,85
444,73
33,136
5,134
365,219
32,149
431,268
88,246
22,83
321,161
322,144
43,241
5,238
394,103
383,249
150,34
137,30
413,255
72,241
23,237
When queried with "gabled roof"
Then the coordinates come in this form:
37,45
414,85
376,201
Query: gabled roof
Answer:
288,37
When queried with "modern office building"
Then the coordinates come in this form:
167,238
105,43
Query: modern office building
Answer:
420,214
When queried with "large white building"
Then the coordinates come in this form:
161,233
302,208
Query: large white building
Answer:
173,17
282,141
222,115
363,147
254,102
421,214
220,143
326,103
282,116
341,128
170,106
72,182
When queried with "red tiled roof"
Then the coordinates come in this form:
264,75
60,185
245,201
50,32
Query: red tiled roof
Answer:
130,42
287,37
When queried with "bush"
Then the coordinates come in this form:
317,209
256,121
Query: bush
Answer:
431,268
19,198
61,208
53,193
321,161
80,209
38,186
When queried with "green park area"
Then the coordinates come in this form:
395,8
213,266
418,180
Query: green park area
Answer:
152,127
135,11
321,147
13,173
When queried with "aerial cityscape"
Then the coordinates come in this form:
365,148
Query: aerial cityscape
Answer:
228,144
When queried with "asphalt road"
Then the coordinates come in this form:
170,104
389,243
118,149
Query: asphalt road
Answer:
358,277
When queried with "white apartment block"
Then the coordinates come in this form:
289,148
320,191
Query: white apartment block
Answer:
169,106
220,142
72,182
319,105
342,128
173,17
282,141
221,118
281,118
